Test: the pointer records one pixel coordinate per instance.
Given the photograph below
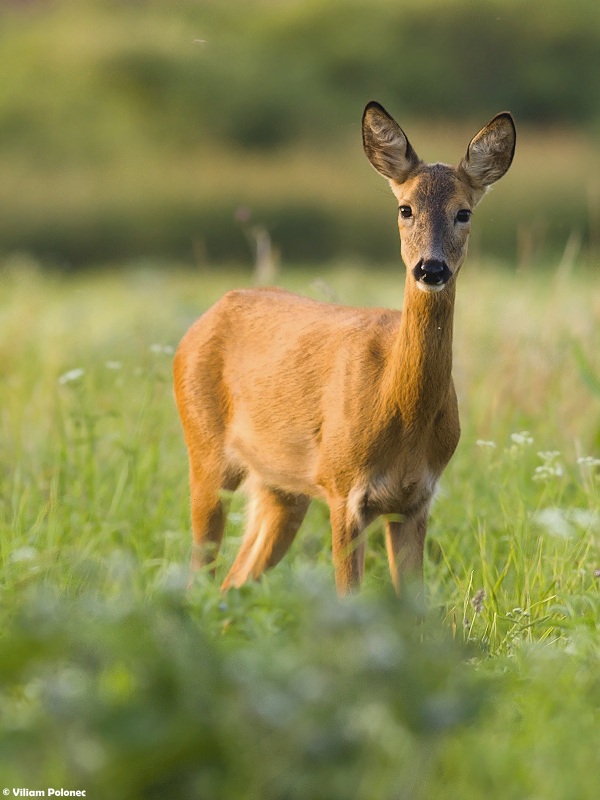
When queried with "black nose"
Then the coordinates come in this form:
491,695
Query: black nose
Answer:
432,272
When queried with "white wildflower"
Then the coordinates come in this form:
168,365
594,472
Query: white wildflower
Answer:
584,518
551,468
554,521
546,472
164,349
71,375
589,462
564,522
522,438
485,444
23,554
548,455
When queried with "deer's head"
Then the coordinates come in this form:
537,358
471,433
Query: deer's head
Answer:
435,201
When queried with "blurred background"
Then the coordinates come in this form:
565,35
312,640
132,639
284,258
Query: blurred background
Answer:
196,132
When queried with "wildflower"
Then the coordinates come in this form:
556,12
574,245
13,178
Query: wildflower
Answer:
584,518
24,554
546,471
588,461
549,455
161,348
564,522
478,601
484,443
71,375
555,521
520,441
521,438
551,468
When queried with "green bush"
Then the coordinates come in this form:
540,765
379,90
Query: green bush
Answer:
136,700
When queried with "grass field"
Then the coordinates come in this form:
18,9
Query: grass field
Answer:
116,680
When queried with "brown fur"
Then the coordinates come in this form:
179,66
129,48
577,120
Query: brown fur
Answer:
357,406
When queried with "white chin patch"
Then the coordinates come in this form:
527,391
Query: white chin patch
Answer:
428,287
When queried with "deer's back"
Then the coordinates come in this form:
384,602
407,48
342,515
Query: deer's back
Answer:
278,374
250,337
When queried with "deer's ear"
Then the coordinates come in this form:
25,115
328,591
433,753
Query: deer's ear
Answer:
386,144
490,152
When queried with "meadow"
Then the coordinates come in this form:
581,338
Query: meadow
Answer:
118,680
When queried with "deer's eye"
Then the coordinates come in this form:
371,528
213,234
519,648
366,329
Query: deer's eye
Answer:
405,212
464,215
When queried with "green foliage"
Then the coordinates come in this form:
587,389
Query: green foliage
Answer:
136,696
130,130
263,73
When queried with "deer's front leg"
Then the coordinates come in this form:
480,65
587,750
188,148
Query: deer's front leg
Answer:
405,542
348,545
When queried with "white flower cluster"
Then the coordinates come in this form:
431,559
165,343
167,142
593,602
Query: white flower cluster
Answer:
165,349
563,523
588,462
522,438
71,375
551,468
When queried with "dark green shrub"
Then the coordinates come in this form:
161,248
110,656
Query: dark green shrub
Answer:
140,700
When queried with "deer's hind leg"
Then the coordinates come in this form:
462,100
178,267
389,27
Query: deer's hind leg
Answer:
274,518
209,512
202,401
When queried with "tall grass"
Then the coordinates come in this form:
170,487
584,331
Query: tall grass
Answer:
116,678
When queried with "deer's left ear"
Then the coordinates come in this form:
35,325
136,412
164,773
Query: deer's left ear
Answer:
490,152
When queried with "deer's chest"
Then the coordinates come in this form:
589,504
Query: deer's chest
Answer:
392,492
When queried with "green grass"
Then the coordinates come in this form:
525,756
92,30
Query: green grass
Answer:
115,679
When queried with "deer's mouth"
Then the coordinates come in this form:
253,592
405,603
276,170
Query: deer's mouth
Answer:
431,275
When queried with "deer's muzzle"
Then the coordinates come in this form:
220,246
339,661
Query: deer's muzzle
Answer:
431,274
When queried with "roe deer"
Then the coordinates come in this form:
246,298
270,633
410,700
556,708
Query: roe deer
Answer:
305,399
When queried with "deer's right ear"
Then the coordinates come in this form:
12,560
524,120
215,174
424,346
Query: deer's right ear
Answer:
386,145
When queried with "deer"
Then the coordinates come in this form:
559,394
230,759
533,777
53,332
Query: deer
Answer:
294,399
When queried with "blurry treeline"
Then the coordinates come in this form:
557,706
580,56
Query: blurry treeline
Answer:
187,130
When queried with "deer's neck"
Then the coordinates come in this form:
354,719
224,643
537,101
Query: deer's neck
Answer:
420,369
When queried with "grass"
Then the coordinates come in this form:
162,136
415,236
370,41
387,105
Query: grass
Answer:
116,679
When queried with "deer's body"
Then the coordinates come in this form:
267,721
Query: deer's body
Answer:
302,399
